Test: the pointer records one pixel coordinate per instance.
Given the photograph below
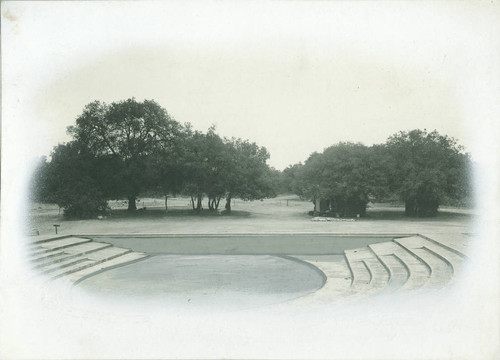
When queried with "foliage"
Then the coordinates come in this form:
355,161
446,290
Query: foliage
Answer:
74,181
128,148
218,167
129,132
428,168
289,180
342,175
248,176
38,191
423,169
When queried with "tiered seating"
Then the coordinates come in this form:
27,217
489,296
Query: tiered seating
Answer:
408,263
75,258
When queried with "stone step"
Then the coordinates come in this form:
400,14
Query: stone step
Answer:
87,248
47,238
105,254
69,253
408,272
108,253
399,273
41,251
71,269
440,270
47,255
33,247
451,256
380,275
456,243
360,272
82,274
93,259
338,277
368,274
60,244
65,263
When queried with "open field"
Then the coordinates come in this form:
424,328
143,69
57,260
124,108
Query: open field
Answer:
284,214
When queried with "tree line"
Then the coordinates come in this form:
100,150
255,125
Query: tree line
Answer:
128,148
422,169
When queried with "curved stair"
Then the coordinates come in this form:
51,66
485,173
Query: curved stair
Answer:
76,258
403,264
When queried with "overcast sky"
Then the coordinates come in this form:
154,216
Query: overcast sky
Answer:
294,77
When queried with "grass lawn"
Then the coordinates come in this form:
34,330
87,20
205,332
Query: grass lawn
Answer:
283,214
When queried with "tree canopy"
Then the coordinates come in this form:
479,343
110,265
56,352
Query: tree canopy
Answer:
128,148
224,168
129,132
343,176
73,180
428,168
248,177
420,168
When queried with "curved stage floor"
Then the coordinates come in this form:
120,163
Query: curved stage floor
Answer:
231,281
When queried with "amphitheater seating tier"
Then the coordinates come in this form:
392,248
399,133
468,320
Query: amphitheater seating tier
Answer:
404,264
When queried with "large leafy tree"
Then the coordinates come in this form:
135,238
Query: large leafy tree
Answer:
344,177
38,185
218,167
74,181
247,175
126,133
289,179
166,173
427,169
200,166
129,147
215,168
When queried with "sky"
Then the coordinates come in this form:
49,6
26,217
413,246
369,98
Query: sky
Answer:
295,77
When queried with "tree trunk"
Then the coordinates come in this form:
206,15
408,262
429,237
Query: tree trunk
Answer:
409,207
422,205
192,202
217,203
228,203
198,205
166,203
131,203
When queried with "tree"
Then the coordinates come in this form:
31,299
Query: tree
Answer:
166,174
128,148
427,169
343,177
196,163
74,181
218,167
290,178
38,190
126,133
247,174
